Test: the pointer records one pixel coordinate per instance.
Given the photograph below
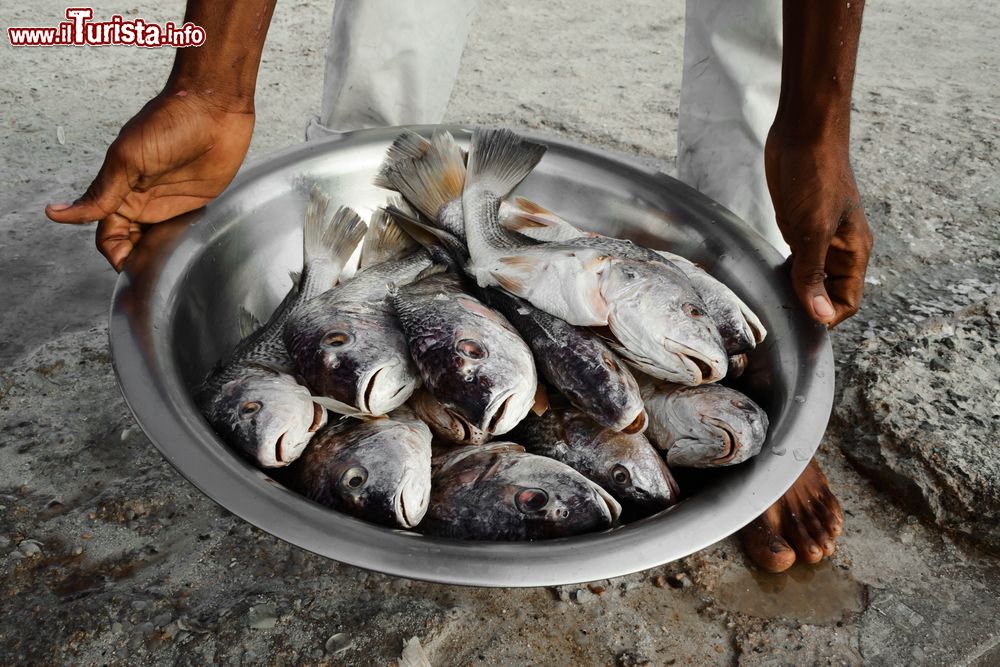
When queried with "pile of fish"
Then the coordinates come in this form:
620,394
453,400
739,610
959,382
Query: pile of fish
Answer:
474,315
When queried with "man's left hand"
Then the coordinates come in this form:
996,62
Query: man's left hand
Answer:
819,212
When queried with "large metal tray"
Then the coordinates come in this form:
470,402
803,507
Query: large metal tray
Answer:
175,310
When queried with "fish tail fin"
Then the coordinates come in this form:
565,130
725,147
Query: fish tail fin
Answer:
500,159
384,241
407,146
443,247
327,243
432,179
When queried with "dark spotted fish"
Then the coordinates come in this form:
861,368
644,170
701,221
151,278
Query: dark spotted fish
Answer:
500,492
625,465
347,343
375,469
252,400
577,362
470,358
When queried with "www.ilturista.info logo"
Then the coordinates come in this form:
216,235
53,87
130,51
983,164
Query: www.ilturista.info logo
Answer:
79,30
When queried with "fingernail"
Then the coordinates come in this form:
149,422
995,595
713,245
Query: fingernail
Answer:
59,207
823,307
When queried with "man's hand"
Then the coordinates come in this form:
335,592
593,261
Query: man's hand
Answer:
177,154
819,212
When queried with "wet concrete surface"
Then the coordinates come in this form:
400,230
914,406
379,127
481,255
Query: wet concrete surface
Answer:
109,557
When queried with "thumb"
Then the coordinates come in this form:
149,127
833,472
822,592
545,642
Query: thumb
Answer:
104,196
809,280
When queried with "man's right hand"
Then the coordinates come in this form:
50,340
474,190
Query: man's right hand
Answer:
177,154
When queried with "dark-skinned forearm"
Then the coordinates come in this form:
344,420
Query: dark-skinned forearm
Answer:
225,66
817,69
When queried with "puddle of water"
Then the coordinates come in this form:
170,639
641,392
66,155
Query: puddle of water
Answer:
816,594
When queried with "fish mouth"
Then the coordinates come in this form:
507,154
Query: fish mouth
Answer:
279,450
729,441
703,368
638,424
409,507
369,402
319,415
502,405
612,507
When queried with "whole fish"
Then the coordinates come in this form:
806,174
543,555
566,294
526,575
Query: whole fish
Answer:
347,343
739,326
499,492
252,400
375,469
576,362
704,427
445,422
582,282
625,465
470,358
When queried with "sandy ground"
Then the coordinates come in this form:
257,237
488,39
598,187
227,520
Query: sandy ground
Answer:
108,557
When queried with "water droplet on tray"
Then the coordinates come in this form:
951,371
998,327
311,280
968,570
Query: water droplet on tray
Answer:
800,454
799,399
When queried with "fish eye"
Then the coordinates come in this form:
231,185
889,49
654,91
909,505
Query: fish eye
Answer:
354,478
692,310
250,408
337,339
531,500
620,475
471,349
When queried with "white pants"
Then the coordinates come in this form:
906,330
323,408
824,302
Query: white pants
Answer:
395,63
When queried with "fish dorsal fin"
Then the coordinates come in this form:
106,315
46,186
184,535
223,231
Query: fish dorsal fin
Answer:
248,323
431,238
385,241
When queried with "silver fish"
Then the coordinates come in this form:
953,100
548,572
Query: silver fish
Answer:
470,358
739,326
499,492
585,281
625,465
251,399
375,469
704,427
576,362
347,343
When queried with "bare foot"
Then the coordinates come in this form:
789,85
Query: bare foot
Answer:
803,524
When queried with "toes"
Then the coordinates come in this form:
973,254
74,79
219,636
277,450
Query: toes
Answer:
801,540
765,546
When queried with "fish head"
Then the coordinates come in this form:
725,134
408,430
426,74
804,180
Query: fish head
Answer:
445,422
661,325
356,354
381,473
484,371
618,405
551,499
713,426
268,416
625,464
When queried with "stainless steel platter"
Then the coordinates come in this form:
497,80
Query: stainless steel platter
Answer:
175,312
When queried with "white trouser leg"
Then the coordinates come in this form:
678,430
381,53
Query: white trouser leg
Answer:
729,94
391,62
